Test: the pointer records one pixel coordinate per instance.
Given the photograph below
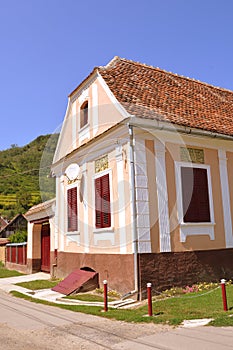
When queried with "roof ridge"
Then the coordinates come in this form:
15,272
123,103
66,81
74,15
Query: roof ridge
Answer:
117,58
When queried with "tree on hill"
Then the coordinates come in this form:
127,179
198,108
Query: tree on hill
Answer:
24,175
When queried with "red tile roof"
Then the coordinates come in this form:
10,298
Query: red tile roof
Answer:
152,93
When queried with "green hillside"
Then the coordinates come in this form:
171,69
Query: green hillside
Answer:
24,175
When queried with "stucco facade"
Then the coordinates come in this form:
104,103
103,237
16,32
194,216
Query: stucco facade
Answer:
152,190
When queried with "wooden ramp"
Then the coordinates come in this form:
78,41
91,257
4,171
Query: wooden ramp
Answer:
77,281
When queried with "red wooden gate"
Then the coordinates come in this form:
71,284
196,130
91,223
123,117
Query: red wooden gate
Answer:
45,248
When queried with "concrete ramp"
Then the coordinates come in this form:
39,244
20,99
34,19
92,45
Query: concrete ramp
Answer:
77,281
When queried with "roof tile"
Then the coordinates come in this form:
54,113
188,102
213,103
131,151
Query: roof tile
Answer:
152,93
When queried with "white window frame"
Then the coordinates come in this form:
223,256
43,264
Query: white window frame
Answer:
105,233
77,232
84,132
193,228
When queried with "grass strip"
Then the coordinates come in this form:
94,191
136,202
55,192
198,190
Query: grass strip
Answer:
4,273
38,284
172,311
88,297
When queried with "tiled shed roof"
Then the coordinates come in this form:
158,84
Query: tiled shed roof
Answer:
152,93
41,210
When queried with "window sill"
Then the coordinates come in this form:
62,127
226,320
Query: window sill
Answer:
104,234
196,229
197,224
72,233
84,129
103,229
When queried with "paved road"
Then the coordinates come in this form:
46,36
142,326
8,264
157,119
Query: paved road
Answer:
25,325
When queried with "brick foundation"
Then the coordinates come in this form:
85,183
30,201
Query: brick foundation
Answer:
117,269
165,270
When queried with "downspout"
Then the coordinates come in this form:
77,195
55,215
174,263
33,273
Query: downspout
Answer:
134,214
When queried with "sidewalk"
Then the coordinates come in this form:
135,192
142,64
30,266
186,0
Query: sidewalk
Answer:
9,284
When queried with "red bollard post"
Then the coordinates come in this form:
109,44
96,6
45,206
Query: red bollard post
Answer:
105,295
224,295
149,297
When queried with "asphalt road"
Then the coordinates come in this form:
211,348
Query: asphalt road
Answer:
26,325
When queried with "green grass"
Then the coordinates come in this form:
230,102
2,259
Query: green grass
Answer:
38,284
88,297
170,311
8,273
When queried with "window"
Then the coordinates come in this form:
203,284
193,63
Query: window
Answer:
84,114
194,200
195,195
102,202
72,209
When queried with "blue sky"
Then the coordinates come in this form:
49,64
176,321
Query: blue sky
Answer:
49,46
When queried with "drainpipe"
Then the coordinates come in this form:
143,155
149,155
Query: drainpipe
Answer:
133,201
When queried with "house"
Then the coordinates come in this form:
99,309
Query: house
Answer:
3,223
19,222
40,234
144,179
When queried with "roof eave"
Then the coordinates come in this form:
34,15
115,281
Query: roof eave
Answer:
168,126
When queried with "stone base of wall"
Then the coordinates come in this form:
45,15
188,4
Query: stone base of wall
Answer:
33,265
117,269
165,270
17,267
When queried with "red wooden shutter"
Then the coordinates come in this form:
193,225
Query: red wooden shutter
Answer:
98,202
195,195
102,202
72,209
106,215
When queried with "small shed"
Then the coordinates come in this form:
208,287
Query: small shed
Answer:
3,223
19,222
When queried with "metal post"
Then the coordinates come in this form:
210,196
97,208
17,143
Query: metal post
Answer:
149,297
224,295
105,282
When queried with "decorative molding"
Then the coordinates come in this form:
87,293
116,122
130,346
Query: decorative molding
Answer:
225,198
101,164
121,198
196,229
161,184
95,109
193,155
142,198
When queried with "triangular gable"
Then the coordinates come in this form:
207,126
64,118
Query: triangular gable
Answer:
105,105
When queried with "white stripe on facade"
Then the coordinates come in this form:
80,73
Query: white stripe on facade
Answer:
84,191
142,198
121,199
56,228
161,185
30,240
62,215
74,125
225,198
95,116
